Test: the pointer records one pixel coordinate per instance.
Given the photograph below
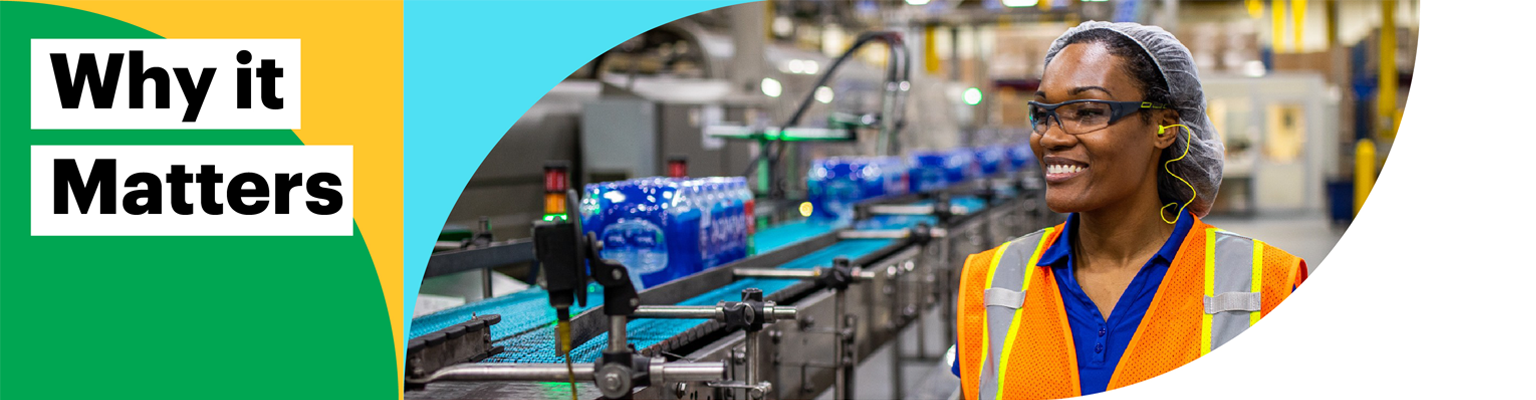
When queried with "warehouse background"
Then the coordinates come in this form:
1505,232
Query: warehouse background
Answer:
1295,88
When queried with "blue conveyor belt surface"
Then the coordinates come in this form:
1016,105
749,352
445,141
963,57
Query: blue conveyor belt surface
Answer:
519,312
790,233
971,203
882,222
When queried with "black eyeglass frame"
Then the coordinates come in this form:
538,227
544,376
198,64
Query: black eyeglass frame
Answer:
1117,111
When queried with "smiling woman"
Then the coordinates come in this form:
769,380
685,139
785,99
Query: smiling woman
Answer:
1133,284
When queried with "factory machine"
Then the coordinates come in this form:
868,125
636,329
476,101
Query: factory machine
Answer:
792,321
664,114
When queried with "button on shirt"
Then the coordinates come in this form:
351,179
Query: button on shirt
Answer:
1100,342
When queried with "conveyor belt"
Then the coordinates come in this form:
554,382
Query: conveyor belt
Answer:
971,203
882,222
537,348
790,233
527,329
520,312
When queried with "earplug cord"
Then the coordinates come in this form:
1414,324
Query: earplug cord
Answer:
1192,190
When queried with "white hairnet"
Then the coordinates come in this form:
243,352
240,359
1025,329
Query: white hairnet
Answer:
1202,167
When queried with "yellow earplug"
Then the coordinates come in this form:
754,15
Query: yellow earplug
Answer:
1192,190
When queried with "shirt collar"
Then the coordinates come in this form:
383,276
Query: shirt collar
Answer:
1060,252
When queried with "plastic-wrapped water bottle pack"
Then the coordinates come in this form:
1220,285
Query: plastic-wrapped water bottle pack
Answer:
835,184
667,228
991,159
1019,155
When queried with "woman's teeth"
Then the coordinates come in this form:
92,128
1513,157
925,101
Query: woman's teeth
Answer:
1062,169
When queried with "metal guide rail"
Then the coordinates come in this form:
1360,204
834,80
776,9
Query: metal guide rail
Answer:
853,289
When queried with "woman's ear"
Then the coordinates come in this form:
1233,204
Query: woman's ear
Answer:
1168,129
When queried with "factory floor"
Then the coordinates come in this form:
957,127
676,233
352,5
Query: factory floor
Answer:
1310,237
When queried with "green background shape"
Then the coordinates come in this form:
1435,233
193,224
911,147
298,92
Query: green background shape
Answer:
170,317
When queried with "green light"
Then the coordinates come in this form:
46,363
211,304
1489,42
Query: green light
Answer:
972,96
553,217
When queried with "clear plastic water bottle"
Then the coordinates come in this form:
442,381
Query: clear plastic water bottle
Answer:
750,212
732,241
713,227
833,189
697,199
743,217
683,230
718,227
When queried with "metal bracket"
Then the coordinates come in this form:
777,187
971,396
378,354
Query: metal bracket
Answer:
464,342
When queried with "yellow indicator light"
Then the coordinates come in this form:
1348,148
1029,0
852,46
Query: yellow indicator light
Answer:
805,209
554,203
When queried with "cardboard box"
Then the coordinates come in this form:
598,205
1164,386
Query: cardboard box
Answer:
1319,62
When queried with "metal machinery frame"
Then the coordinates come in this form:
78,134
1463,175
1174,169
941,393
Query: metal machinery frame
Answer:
890,120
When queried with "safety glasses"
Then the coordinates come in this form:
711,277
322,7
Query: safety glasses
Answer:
1077,117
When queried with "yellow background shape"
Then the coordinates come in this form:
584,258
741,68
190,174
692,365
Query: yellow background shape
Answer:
353,64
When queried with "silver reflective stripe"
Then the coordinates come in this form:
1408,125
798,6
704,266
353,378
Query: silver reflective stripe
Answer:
1233,301
1008,276
1233,287
1003,297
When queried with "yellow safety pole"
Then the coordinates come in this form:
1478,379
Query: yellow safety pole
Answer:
930,50
1386,94
1387,115
1298,20
1365,171
768,15
1277,26
1331,11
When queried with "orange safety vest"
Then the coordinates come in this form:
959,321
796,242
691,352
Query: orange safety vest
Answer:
1016,344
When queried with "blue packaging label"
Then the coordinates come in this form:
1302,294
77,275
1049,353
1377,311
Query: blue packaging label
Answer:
638,244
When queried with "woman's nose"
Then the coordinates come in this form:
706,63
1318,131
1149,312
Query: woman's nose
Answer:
1056,138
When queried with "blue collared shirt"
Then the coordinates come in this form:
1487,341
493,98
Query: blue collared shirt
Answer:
1100,342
